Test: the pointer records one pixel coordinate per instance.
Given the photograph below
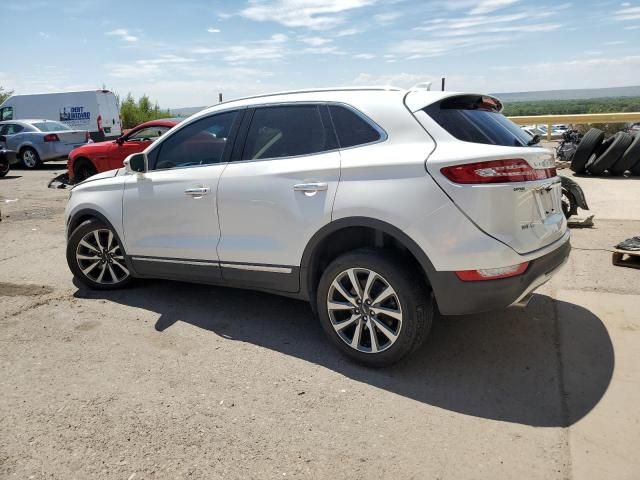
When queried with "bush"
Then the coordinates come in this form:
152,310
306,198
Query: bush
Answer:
134,112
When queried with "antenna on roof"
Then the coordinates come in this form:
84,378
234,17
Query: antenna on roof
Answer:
443,84
422,86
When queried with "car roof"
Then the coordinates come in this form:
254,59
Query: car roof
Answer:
158,123
351,95
31,120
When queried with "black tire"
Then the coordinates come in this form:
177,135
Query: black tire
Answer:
4,169
611,155
411,297
587,146
73,248
629,159
83,169
30,158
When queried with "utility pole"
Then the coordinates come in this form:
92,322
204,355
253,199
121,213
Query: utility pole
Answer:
220,97
443,83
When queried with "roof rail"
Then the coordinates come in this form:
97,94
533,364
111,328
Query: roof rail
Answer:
422,86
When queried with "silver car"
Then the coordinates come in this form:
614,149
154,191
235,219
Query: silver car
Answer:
36,141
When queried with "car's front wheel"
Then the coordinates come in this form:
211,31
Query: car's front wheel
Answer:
374,307
83,170
96,256
30,158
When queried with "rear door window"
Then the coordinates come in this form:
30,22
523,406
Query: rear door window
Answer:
477,119
287,131
351,128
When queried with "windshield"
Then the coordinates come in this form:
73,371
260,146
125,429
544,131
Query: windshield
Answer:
477,119
50,126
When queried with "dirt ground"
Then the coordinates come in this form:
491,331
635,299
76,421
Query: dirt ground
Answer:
171,380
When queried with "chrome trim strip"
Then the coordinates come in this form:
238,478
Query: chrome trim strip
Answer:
256,268
237,266
185,262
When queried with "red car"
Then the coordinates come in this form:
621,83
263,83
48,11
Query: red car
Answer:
93,158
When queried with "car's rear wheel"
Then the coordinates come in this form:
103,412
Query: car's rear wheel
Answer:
83,170
373,307
4,168
30,158
96,257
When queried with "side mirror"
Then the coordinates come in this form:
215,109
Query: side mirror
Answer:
120,140
3,138
536,139
136,163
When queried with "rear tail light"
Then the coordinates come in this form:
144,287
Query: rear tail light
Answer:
496,171
492,273
99,120
51,137
86,136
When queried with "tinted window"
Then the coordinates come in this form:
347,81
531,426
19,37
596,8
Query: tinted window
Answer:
477,119
6,113
50,126
12,129
148,134
351,128
201,143
286,132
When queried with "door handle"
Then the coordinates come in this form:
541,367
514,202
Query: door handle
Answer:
197,191
312,187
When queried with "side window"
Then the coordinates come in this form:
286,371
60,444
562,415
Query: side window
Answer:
12,129
201,143
286,131
351,128
6,113
148,134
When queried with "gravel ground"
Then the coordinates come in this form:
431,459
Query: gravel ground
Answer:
172,380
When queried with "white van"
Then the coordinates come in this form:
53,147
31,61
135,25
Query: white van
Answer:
93,110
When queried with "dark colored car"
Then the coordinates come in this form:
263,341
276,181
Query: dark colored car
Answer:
93,158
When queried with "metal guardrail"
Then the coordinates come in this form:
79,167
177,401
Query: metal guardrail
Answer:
580,119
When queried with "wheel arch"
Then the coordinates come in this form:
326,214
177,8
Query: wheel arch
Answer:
337,237
83,215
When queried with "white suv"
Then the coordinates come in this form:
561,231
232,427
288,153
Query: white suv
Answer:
372,204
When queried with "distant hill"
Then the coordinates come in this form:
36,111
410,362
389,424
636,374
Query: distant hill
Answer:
578,94
185,112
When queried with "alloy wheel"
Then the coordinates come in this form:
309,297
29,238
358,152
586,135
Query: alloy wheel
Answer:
29,159
100,257
364,310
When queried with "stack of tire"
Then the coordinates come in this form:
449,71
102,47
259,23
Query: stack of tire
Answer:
618,155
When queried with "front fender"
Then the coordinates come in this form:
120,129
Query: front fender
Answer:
570,185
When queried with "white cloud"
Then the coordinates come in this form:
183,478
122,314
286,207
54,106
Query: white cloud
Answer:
387,18
315,41
626,14
44,35
364,56
213,30
347,32
314,14
123,34
274,48
488,6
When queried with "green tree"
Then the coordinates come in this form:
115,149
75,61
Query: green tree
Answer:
134,112
4,94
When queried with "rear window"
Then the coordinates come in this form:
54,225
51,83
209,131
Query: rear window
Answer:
477,119
351,128
50,126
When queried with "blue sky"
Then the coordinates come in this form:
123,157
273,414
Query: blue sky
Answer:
182,53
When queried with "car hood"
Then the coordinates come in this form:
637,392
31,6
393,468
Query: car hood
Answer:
100,176
93,147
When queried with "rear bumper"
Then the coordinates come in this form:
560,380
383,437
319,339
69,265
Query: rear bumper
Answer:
456,297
